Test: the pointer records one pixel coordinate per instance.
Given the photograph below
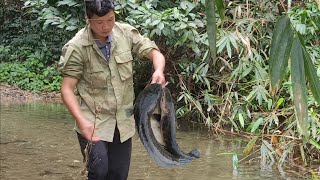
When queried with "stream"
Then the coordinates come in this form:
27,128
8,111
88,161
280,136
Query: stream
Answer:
38,142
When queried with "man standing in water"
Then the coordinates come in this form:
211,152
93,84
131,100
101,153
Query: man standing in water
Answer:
97,88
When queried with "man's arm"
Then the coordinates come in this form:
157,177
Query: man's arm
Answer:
158,61
86,127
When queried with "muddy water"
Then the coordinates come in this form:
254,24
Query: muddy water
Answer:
37,142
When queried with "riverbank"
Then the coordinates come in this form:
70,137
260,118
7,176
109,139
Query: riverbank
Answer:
13,94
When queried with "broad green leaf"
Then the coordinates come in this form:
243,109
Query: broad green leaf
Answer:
136,12
301,28
280,50
186,5
249,146
314,82
299,87
211,28
66,2
156,22
160,25
71,28
182,38
183,26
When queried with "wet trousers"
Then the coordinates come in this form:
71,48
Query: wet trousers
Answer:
107,160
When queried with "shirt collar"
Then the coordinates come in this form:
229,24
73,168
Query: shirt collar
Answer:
102,45
108,40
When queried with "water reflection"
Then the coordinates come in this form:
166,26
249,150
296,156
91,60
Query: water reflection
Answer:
37,142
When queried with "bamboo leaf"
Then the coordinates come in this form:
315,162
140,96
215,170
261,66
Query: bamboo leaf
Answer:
314,82
211,28
220,8
311,72
279,102
250,146
280,50
299,86
269,104
315,143
256,124
229,50
302,153
241,120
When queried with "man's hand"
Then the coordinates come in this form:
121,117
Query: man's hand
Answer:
158,77
158,61
87,131
86,127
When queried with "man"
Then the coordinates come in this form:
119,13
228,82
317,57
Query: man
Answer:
97,88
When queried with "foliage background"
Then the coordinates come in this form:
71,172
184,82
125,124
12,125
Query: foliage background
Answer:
229,95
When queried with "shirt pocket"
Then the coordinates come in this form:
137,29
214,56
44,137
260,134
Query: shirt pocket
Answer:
124,64
97,77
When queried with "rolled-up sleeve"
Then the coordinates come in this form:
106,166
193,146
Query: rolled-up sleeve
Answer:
71,62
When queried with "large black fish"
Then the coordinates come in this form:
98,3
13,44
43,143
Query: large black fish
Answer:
157,128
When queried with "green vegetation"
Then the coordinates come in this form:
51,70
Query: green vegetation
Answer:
28,53
263,81
31,74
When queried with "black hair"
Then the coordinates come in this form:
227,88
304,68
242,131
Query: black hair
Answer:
98,7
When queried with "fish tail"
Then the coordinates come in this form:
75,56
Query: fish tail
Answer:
195,153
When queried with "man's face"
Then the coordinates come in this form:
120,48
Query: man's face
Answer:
102,26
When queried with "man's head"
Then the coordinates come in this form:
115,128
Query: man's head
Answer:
101,17
98,7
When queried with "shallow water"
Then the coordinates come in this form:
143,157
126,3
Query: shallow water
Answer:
38,142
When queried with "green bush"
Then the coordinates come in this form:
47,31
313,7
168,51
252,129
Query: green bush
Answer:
29,53
31,75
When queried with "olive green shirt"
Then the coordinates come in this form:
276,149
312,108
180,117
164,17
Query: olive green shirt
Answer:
105,88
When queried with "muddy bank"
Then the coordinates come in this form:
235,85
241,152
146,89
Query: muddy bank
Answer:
11,94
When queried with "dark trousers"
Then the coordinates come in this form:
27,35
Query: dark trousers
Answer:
107,160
